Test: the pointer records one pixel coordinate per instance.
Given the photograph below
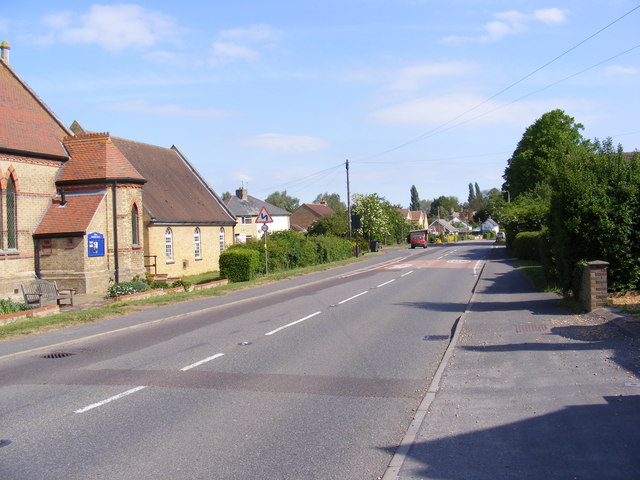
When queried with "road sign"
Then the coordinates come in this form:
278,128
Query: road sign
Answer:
264,227
264,217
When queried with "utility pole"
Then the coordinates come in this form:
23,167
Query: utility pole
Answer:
348,199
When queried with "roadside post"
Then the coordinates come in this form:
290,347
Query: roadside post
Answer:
264,218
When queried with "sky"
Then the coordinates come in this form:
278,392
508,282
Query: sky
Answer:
277,95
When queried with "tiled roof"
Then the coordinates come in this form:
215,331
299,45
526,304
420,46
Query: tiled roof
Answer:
251,207
318,208
95,157
175,192
27,124
72,218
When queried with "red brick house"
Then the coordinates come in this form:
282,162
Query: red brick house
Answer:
307,213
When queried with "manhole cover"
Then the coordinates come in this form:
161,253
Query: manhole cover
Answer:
427,338
58,355
532,328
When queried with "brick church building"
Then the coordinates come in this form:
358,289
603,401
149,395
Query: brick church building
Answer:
88,209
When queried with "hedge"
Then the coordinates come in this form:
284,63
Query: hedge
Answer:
239,264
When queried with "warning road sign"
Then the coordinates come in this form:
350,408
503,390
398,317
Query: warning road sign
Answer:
264,217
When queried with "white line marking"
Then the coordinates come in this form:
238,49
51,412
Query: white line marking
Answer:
110,399
197,364
375,267
405,274
292,323
386,283
476,266
351,298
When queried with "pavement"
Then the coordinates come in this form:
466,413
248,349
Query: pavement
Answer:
528,390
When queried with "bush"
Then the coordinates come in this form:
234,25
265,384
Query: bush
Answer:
239,264
528,246
127,288
9,306
331,249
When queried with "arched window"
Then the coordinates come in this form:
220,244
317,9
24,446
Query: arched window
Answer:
168,244
196,242
221,239
135,229
12,214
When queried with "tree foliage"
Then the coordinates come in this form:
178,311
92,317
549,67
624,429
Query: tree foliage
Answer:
335,224
545,146
414,205
284,201
444,206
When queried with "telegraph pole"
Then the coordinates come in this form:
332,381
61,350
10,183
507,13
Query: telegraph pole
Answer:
348,199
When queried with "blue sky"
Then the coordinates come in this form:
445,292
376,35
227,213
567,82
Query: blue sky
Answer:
276,95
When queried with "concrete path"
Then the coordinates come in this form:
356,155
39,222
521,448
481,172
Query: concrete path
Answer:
530,390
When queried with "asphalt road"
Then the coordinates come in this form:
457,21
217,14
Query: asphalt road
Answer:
316,380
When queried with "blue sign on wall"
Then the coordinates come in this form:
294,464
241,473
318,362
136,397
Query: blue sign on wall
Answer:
95,245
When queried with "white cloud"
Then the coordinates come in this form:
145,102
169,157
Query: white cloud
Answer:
620,70
242,43
286,143
511,22
143,107
412,78
251,34
113,27
228,52
436,111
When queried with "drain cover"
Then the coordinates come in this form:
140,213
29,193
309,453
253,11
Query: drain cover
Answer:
532,328
58,355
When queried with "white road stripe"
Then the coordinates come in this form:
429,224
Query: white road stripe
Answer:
292,323
197,364
351,298
110,399
386,283
408,273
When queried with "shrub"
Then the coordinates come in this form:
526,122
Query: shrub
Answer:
529,246
9,306
127,288
331,249
239,264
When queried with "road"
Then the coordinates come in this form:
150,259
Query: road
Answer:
316,380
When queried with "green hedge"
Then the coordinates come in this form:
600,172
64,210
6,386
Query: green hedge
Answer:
529,246
331,249
239,264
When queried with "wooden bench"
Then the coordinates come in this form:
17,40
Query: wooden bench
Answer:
40,291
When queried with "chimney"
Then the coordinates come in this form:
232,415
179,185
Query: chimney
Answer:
4,47
241,193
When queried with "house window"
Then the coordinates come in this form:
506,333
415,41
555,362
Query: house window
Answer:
196,242
246,220
46,246
69,243
168,244
221,239
12,221
135,230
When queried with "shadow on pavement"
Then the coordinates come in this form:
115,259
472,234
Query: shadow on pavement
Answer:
559,445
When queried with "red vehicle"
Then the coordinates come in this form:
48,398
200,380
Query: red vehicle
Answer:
418,238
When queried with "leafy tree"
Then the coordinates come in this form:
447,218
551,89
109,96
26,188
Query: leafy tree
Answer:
492,203
472,195
284,201
527,213
334,224
415,199
373,218
545,145
333,201
444,206
226,196
399,228
425,206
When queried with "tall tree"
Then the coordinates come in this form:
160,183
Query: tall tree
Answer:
282,200
472,195
414,206
545,145
442,206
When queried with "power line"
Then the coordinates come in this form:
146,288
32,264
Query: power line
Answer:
437,129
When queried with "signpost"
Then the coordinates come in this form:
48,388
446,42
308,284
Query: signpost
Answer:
264,218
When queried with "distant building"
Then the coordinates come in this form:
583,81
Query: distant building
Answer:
246,210
308,213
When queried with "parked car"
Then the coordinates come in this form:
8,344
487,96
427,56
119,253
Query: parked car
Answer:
500,236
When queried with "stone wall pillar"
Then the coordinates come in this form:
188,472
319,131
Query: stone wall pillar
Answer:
593,291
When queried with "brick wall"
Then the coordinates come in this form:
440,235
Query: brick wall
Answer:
594,287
